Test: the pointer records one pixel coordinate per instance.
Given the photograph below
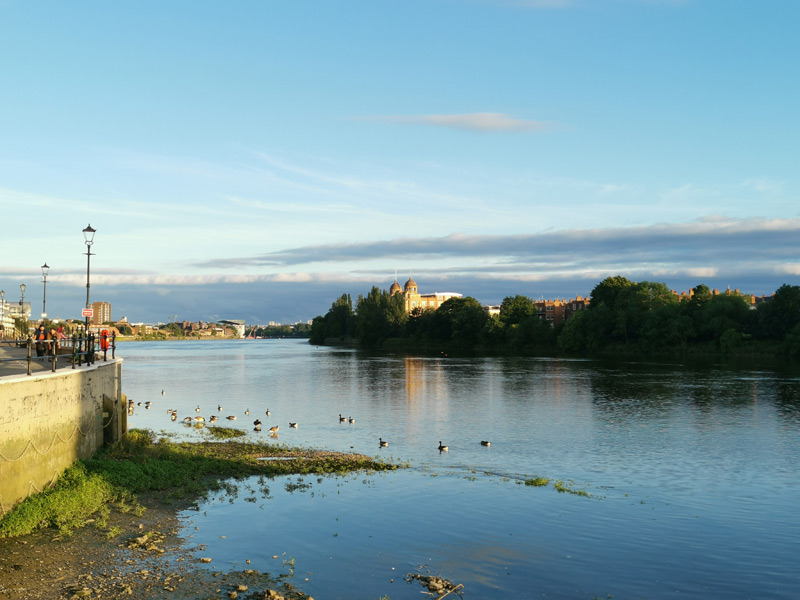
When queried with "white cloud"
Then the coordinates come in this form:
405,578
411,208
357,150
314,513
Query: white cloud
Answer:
473,122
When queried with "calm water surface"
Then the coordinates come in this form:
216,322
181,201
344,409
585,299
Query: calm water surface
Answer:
692,471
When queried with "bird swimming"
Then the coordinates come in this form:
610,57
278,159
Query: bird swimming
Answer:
443,448
341,418
382,443
257,422
351,420
485,443
273,429
231,417
293,424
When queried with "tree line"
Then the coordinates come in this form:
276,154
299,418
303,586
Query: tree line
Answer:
622,316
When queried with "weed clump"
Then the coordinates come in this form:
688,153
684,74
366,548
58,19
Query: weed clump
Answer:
141,463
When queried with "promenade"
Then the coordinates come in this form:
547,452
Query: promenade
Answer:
14,361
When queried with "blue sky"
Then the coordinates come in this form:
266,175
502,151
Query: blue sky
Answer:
257,159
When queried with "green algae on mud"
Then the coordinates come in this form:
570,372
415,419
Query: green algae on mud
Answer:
179,471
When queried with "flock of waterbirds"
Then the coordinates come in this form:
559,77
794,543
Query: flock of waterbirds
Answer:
198,420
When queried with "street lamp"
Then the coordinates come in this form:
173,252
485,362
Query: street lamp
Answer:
3,317
22,315
88,236
45,269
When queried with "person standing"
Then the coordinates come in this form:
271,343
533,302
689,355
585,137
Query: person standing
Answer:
41,340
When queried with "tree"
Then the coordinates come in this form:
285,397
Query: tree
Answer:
608,292
515,309
379,316
780,314
460,321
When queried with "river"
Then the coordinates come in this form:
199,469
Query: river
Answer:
679,480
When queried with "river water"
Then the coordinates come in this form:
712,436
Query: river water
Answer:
681,479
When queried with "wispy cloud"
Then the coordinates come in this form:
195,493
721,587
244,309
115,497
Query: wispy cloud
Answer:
704,241
487,122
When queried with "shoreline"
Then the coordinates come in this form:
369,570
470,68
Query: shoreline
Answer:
146,560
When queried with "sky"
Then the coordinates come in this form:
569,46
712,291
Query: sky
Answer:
257,159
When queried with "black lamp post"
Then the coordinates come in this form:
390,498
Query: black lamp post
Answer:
45,269
3,308
88,236
22,287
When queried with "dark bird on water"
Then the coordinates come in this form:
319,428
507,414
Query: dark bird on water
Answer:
382,443
443,448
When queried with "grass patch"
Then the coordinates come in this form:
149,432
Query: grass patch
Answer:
224,433
140,463
537,481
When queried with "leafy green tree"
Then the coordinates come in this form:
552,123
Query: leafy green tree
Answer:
379,316
516,309
609,291
780,314
338,322
724,312
460,321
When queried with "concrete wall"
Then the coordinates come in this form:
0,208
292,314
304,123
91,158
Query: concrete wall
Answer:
49,420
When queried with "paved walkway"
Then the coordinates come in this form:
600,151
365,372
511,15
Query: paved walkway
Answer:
14,361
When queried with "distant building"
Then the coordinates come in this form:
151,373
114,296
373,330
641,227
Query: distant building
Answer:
414,299
559,311
101,313
236,324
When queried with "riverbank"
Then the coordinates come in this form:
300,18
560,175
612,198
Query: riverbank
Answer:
112,525
145,558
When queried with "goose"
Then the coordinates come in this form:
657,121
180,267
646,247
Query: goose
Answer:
247,412
231,417
485,443
273,429
267,413
341,418
213,418
199,419
173,417
351,420
187,420
197,409
257,422
257,427
293,424
219,407
382,443
163,392
443,448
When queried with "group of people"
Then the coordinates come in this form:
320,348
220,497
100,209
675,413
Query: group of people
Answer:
42,336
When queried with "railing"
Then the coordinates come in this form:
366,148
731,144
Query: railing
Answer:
80,349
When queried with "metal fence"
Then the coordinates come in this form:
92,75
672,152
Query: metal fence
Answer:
75,350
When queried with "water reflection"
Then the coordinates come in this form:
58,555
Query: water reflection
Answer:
686,464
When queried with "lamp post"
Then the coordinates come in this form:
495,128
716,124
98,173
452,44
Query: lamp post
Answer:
45,269
3,317
88,236
22,315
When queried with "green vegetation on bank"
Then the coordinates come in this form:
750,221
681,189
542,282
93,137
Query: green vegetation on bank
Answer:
180,471
623,316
